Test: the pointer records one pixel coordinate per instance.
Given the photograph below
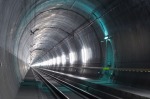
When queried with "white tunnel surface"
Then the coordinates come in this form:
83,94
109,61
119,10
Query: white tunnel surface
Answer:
65,34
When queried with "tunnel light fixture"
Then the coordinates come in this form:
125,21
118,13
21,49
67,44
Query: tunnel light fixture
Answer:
36,65
72,57
86,54
63,58
44,63
39,64
54,61
107,37
50,62
58,60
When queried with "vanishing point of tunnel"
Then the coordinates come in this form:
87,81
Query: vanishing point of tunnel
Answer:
74,49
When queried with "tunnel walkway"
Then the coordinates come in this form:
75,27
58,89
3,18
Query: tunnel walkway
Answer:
32,88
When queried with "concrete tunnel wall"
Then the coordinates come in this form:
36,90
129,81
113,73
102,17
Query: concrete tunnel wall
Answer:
85,24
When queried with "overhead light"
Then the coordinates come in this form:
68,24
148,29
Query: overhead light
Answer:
72,57
58,60
86,54
50,62
107,37
54,61
63,58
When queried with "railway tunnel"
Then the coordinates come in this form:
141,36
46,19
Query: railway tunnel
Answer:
74,49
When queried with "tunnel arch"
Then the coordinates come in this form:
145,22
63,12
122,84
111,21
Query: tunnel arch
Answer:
127,22
55,9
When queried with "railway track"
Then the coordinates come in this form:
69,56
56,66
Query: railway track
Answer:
62,89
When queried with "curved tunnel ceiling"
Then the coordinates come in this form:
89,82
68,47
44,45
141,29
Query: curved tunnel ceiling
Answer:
57,24
84,33
89,38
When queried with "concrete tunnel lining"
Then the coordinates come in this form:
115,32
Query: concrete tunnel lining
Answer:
53,20
61,28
